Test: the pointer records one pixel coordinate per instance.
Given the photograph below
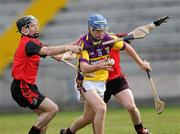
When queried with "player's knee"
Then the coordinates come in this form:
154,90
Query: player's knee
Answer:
54,109
102,109
131,108
88,119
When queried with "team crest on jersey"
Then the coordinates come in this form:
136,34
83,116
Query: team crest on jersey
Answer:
91,53
107,49
99,51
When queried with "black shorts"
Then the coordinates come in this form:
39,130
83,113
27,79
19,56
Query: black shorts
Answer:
26,95
114,86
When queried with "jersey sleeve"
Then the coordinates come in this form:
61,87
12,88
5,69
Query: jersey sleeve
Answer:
32,48
119,45
84,55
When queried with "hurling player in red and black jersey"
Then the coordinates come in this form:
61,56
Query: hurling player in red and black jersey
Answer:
118,86
24,72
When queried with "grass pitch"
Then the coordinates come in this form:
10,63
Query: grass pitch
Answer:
117,122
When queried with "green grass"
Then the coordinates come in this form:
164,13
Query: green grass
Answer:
117,122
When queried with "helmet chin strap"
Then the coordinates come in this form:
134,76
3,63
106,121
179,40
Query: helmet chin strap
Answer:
35,35
25,33
94,40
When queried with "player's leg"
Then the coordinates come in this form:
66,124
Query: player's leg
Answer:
99,107
125,97
88,114
49,109
120,89
43,130
94,112
27,95
85,119
94,98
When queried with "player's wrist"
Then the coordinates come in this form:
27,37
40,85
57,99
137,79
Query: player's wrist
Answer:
64,56
67,48
97,66
152,25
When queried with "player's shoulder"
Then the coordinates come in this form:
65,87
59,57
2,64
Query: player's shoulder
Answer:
86,41
84,37
113,36
24,39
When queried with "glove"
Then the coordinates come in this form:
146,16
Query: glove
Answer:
161,20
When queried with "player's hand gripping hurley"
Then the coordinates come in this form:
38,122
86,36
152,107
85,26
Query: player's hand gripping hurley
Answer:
159,105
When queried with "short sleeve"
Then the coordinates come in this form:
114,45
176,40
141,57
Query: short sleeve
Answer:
84,54
119,45
32,48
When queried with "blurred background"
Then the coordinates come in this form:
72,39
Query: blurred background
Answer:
62,21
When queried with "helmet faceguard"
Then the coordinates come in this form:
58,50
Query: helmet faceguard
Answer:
24,22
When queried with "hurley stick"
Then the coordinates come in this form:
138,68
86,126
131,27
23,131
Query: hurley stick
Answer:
159,105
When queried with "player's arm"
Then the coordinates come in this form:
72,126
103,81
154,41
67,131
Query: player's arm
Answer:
65,56
132,53
32,49
85,67
54,50
69,55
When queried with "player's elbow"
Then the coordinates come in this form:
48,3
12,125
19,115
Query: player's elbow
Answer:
84,67
84,70
49,53
46,51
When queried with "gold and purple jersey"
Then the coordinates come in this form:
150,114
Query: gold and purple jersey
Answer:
94,53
